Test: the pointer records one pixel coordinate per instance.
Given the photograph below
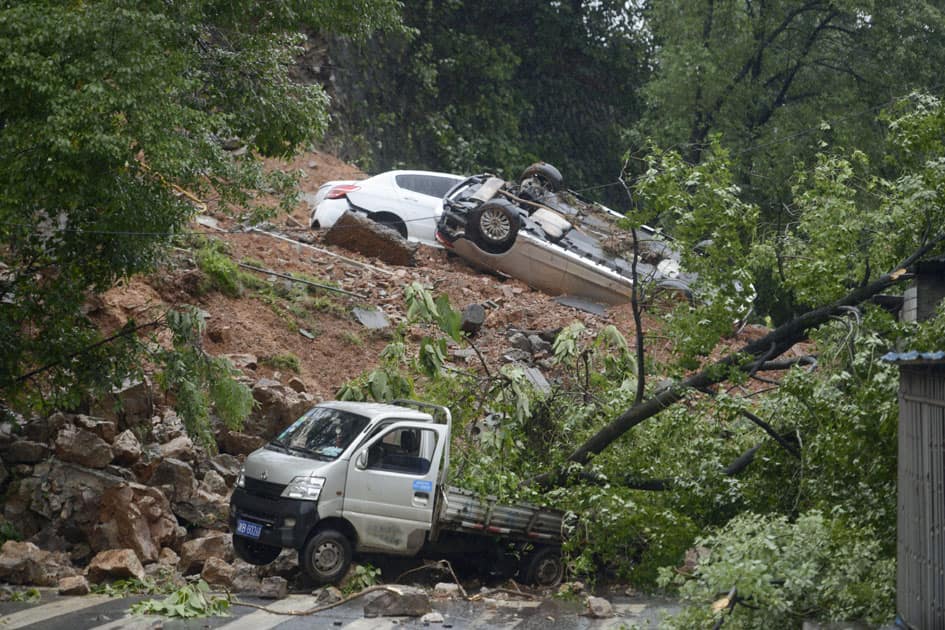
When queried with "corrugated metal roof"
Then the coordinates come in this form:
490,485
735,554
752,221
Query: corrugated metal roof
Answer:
913,355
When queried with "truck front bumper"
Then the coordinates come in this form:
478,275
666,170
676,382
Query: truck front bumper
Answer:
285,522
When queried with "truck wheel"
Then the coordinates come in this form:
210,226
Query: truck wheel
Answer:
543,567
546,174
254,552
494,225
327,556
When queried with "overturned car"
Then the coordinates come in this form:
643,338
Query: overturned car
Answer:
552,239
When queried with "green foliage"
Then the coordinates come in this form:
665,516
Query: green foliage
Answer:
8,531
189,601
221,272
287,361
132,586
483,98
198,381
814,567
110,111
766,78
29,595
363,576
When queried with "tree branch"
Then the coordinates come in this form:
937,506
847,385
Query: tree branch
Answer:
782,338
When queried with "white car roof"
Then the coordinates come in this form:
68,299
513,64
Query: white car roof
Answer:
372,409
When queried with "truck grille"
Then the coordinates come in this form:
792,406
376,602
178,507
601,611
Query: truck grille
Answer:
264,488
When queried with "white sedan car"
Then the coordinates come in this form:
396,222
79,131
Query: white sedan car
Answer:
407,201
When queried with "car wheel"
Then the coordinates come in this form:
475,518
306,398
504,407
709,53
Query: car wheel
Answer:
542,567
254,552
392,221
327,556
546,174
494,225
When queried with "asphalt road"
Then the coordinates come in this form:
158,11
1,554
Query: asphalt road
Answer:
101,612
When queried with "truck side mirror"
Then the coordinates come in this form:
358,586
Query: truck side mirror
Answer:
360,460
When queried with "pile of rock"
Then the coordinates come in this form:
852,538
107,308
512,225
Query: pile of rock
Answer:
126,493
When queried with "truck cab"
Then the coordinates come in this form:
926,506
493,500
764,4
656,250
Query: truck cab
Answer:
345,477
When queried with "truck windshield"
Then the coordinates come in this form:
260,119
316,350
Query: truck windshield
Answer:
323,432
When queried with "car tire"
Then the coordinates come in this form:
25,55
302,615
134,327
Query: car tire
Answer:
254,552
542,567
494,225
391,221
548,175
326,557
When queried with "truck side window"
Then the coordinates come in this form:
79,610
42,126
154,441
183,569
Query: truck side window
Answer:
399,451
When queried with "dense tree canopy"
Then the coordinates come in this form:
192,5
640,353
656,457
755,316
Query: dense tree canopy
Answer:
109,112
495,86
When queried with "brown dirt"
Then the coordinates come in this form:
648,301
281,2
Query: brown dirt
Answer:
342,348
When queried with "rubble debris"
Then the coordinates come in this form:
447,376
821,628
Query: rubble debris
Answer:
391,604
82,447
74,585
581,304
194,553
360,234
473,317
25,563
372,319
113,564
599,608
538,380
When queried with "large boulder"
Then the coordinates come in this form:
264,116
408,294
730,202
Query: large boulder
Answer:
203,509
26,452
128,404
181,447
114,564
74,585
135,517
82,447
227,466
176,477
126,448
218,572
25,563
105,429
45,429
194,553
360,234
238,443
277,406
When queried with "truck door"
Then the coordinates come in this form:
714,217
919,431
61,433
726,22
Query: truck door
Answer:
389,491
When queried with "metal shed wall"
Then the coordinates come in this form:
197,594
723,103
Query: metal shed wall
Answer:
920,568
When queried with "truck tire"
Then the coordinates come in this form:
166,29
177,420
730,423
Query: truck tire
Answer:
542,567
494,225
254,552
546,174
327,556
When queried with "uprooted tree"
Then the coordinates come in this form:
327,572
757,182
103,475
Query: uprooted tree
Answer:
803,434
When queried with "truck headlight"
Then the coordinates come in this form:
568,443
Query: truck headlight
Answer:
241,479
304,488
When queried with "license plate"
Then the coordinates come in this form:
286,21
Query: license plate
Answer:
250,530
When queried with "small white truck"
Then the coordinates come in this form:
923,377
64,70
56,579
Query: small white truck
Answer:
352,477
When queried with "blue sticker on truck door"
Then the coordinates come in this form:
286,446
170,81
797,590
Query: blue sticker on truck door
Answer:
422,485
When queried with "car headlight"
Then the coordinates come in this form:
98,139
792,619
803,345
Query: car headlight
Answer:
241,479
304,488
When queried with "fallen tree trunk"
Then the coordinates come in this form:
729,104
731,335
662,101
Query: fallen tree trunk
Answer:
747,359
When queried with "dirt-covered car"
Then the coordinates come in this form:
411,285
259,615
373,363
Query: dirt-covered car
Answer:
553,239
